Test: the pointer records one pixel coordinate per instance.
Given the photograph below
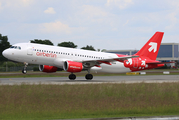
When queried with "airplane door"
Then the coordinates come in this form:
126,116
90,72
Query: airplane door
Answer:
29,50
32,58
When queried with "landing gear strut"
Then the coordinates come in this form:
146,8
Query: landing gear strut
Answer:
24,70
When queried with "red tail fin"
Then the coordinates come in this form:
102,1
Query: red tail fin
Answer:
151,48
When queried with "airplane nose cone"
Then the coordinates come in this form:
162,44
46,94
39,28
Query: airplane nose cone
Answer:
5,53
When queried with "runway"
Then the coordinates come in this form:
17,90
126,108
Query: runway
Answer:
96,80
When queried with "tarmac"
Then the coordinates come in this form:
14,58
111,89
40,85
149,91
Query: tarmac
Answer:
96,80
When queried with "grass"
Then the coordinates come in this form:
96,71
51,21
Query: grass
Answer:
88,101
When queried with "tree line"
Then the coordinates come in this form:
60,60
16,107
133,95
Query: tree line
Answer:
62,44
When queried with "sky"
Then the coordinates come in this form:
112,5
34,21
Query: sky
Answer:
104,24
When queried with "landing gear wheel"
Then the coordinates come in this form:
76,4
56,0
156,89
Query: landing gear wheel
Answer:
24,71
72,76
89,76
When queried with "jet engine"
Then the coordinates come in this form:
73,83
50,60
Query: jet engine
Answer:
71,66
47,68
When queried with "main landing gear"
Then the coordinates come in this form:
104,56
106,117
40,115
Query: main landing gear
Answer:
72,76
88,76
24,70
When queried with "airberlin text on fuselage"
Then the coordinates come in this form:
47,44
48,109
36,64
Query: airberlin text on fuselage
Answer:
46,54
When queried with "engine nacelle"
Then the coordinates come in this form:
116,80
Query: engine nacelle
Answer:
47,68
135,63
71,66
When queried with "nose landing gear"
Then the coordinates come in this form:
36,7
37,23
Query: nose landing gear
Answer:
24,70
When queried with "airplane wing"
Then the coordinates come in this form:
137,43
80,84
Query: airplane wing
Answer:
120,59
108,61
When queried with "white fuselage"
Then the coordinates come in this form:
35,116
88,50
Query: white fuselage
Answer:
55,56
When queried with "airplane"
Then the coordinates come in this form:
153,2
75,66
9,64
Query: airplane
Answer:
50,58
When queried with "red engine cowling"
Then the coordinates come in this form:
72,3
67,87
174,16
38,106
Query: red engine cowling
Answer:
47,68
71,66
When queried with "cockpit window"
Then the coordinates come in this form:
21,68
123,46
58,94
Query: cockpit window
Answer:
15,47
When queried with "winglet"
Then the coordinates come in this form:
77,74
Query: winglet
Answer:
151,48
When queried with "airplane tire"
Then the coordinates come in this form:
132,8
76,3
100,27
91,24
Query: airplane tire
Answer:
72,76
24,71
89,76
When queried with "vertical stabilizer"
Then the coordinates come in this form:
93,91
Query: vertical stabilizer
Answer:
151,48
